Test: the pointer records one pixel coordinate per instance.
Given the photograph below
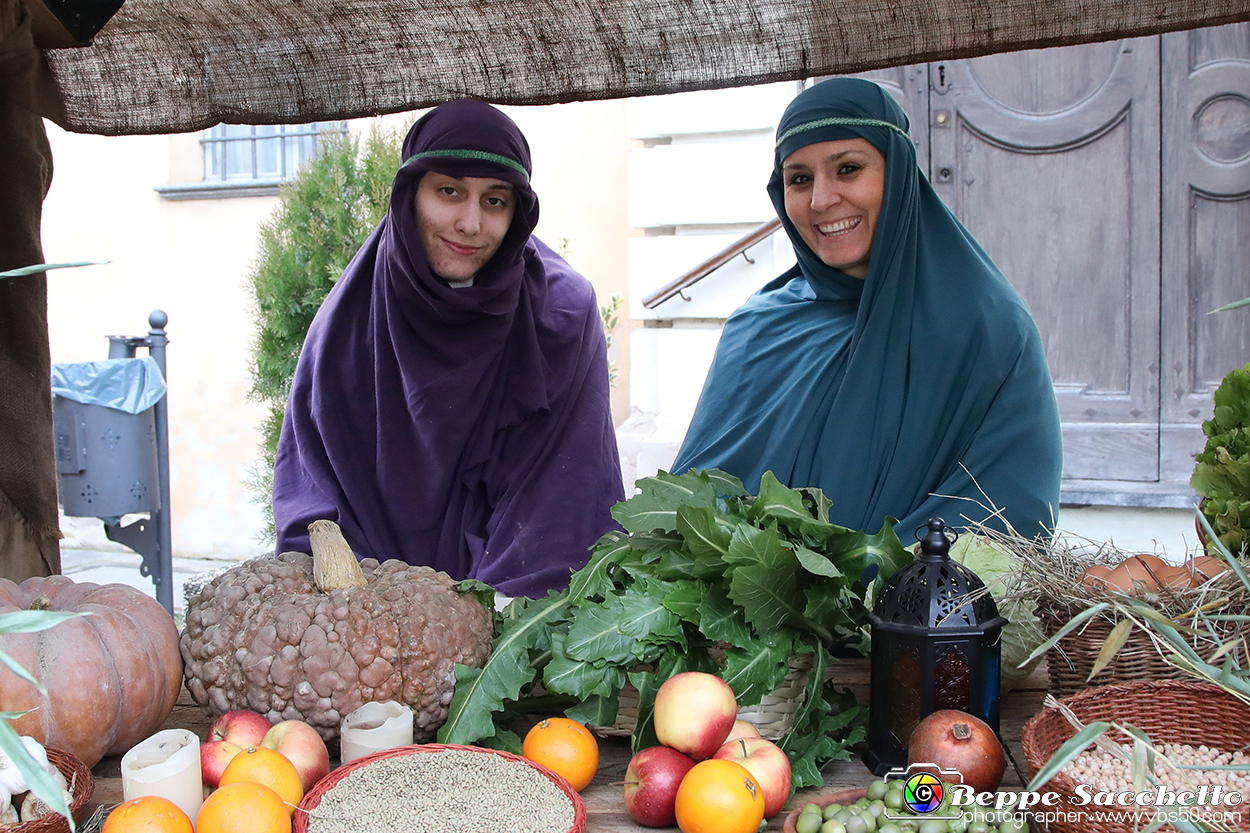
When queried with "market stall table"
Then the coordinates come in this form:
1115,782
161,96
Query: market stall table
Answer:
605,803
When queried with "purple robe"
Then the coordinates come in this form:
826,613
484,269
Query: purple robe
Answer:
464,428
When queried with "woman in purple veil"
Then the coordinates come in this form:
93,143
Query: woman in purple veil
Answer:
450,406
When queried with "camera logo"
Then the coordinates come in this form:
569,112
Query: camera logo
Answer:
924,787
923,793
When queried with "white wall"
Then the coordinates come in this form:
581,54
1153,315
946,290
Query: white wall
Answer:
696,185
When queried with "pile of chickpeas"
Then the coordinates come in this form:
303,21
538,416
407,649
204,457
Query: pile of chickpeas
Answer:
1108,772
883,810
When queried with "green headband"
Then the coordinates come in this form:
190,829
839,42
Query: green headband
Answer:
838,122
473,154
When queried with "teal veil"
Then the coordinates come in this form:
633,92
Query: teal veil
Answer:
919,391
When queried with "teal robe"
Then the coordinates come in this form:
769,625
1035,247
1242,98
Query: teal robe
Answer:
919,391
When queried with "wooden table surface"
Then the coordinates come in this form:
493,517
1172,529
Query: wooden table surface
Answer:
605,803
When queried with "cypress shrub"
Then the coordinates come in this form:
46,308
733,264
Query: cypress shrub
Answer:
326,212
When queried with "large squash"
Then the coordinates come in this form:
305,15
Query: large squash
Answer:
112,676
314,638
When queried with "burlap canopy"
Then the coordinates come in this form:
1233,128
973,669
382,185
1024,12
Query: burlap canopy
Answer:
175,65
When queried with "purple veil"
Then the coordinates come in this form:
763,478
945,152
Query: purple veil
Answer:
464,428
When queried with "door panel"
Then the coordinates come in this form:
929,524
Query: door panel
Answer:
1206,226
1050,157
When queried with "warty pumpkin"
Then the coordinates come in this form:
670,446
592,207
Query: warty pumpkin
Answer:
314,638
112,676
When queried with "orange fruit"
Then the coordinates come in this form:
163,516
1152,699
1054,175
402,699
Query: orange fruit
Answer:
243,807
719,796
147,814
261,765
566,747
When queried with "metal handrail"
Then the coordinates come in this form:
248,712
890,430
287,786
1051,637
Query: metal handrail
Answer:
710,265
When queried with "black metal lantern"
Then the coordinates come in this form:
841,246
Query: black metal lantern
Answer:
936,636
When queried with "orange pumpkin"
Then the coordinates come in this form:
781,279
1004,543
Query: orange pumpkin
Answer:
112,677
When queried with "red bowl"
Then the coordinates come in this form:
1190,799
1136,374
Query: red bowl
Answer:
823,801
300,821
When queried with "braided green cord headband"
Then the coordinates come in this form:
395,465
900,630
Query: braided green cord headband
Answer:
473,154
839,122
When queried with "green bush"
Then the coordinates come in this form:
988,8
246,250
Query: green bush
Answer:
326,212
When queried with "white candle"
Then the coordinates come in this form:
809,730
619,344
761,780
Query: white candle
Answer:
374,727
166,764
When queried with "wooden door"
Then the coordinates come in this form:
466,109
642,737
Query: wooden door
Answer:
1051,159
1206,228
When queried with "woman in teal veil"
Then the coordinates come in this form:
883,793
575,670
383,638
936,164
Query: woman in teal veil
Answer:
893,367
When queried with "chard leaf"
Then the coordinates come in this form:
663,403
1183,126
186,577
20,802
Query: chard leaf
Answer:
594,579
596,710
645,617
596,633
832,603
857,551
655,506
756,668
816,563
674,565
765,582
720,620
480,692
684,599
566,675
725,484
704,537
779,502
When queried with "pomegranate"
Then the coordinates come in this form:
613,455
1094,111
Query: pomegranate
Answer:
953,739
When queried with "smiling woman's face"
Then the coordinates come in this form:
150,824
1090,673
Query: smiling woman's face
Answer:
462,222
833,196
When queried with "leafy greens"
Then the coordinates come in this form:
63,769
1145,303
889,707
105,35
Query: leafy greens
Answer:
701,564
1222,472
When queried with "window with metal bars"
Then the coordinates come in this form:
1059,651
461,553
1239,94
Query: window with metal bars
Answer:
242,152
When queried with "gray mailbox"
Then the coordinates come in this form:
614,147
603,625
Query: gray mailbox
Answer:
111,424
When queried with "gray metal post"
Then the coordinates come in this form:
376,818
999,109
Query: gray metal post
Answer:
154,544
156,349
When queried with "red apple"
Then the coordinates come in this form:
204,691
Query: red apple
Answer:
241,727
694,713
742,729
214,755
651,782
300,744
770,766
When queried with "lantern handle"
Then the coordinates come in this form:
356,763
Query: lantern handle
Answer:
949,534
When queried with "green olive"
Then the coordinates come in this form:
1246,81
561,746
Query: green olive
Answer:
877,790
978,827
877,808
844,815
959,825
856,824
894,800
833,826
889,827
1012,825
831,810
810,806
934,826
808,823
870,821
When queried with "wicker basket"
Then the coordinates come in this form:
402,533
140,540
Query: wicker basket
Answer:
314,796
1071,660
772,716
81,785
1169,711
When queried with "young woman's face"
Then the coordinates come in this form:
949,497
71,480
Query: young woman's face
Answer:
833,196
462,222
